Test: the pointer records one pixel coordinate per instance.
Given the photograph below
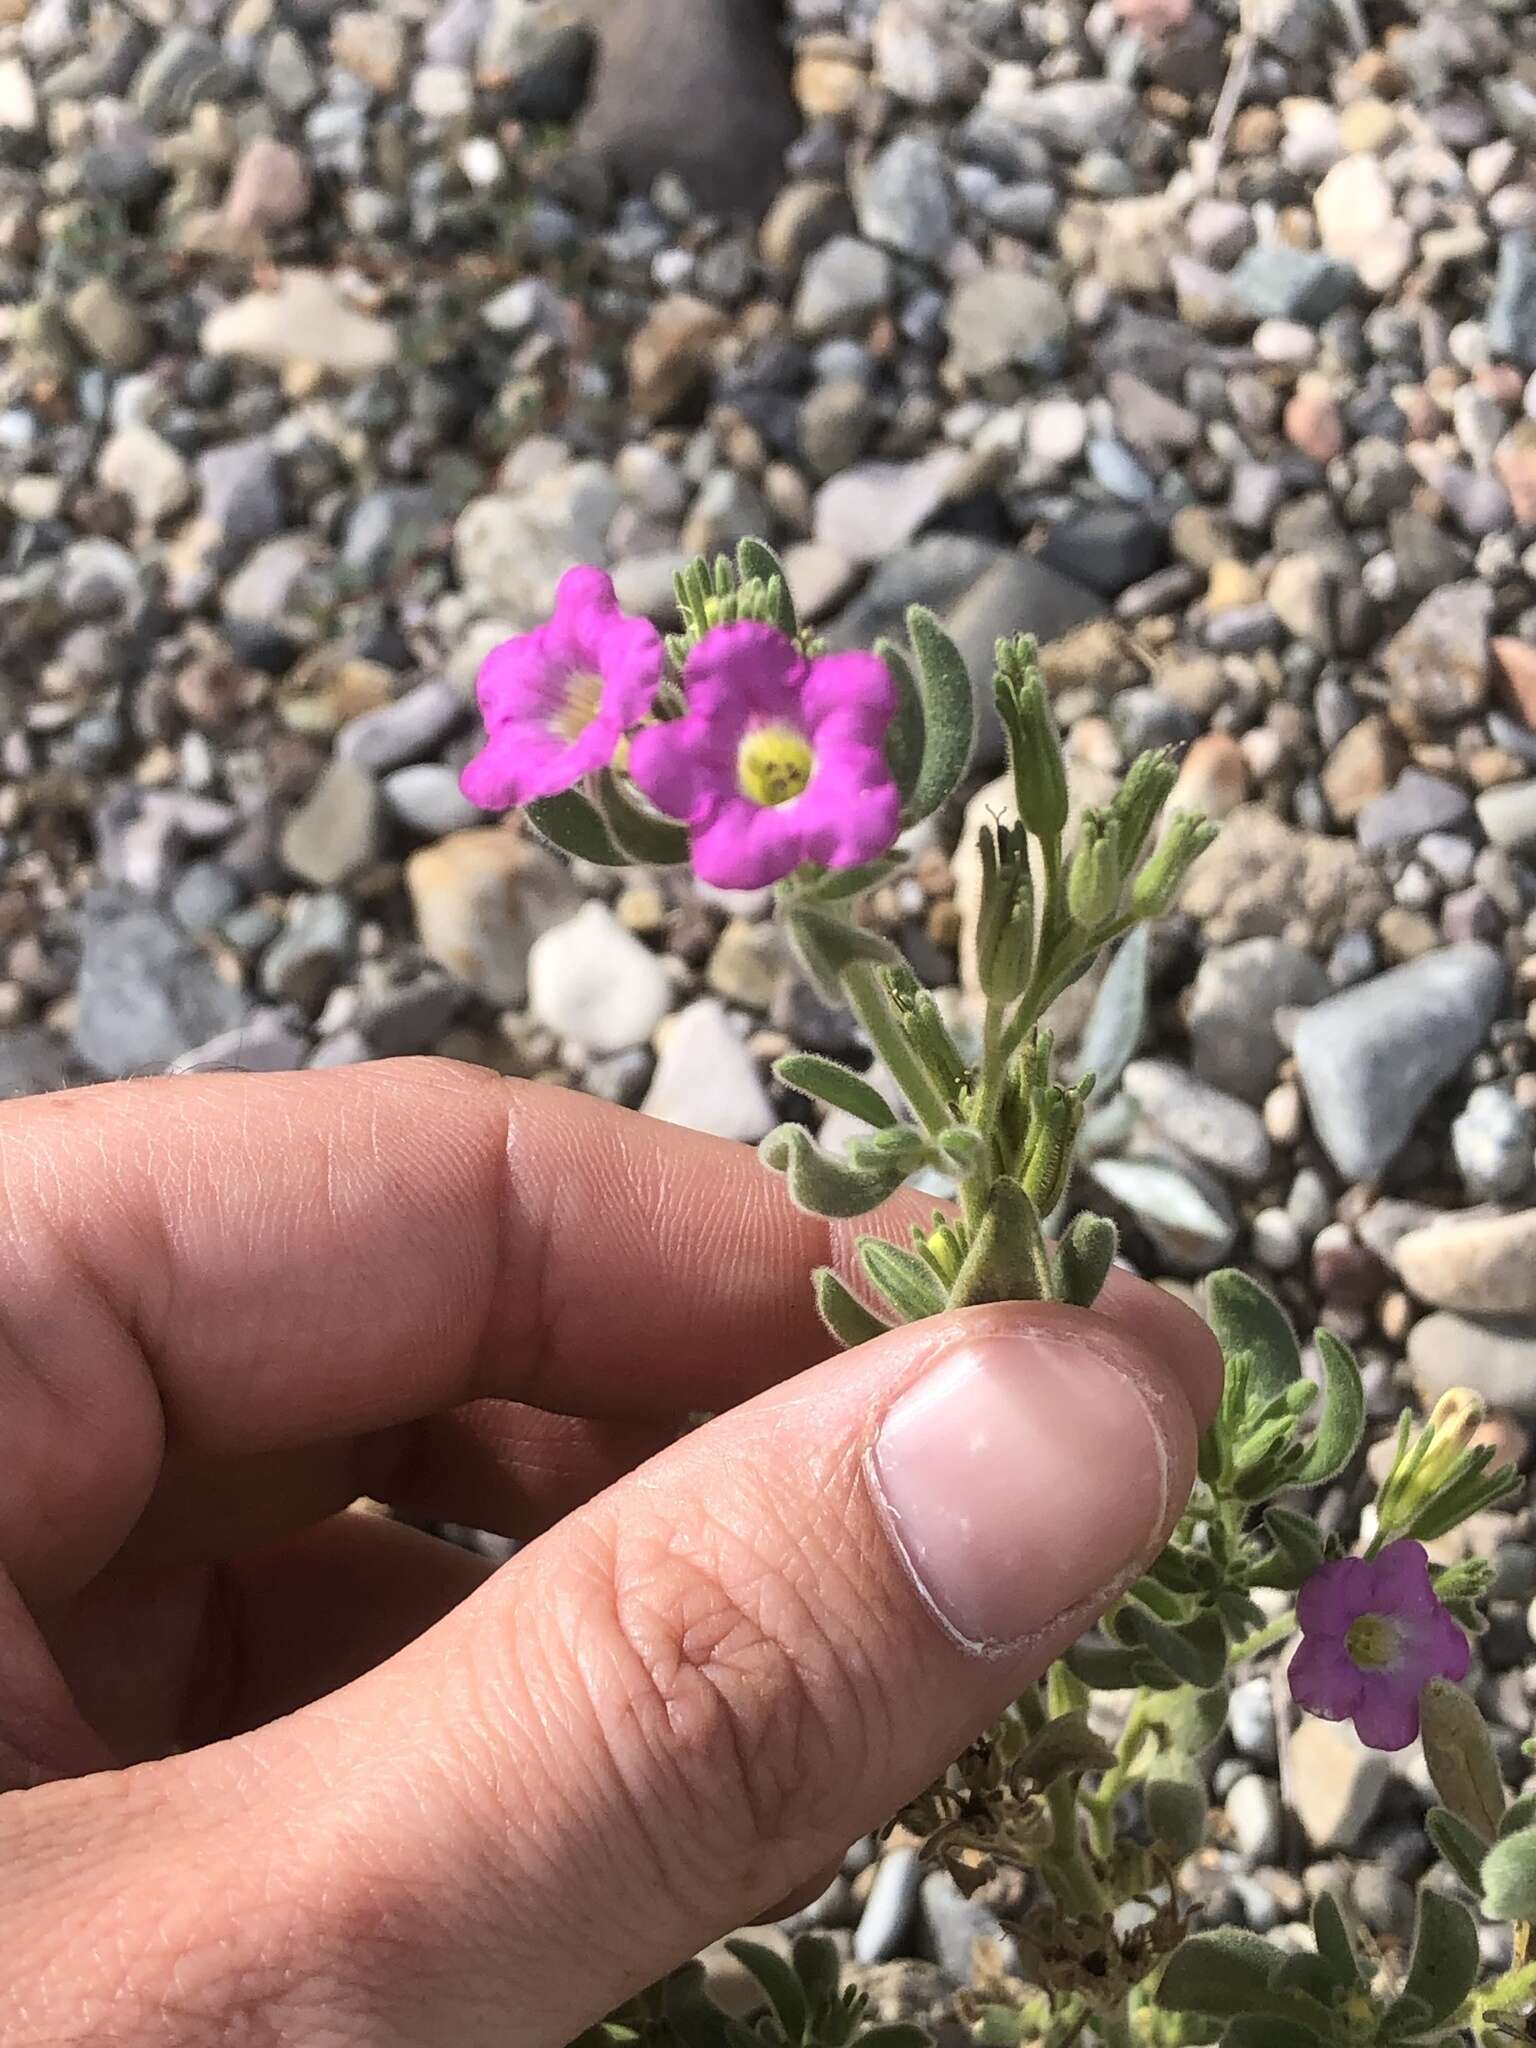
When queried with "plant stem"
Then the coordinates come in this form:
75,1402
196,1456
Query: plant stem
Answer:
1263,1639
873,1007
973,1193
1065,1867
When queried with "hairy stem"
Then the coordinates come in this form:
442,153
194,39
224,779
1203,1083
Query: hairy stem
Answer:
1263,1639
873,1008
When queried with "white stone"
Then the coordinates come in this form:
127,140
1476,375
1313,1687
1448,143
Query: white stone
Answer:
592,981
148,472
1358,222
1333,1782
305,319
706,1080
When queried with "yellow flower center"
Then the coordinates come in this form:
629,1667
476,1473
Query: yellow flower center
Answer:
1372,1642
774,764
583,701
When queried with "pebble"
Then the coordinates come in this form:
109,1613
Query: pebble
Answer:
335,835
949,1926
407,729
592,981
481,897
905,200
513,548
1370,1059
706,1080
999,319
1278,282
1482,1265
1192,1225
313,950
303,319
1213,1127
868,512
1494,1356
890,1906
1438,664
426,799
1493,1141
1254,1816
845,283
146,992
1508,814
266,1041
1334,1784
1231,1010
151,474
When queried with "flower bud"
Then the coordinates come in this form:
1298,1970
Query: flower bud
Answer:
1034,745
1140,799
1096,877
1160,881
1005,931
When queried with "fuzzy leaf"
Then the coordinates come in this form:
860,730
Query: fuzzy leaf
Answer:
845,1316
827,945
1119,1016
821,1184
1195,1652
1269,2032
573,825
911,1287
1297,1553
1462,1847
904,739
1459,1753
1224,1974
1083,1260
828,1081
1521,1814
1306,1973
1330,1931
895,2034
817,1965
1007,1260
756,562
785,1992
1246,1318
1191,1719
949,714
1445,1958
1065,1748
837,885
1176,1805
1342,1423
640,833
1106,1667
1509,1877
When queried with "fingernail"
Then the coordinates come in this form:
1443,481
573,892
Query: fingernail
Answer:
1020,1478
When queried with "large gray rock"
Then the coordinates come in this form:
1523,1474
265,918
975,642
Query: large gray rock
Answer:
31,1063
698,88
1483,1265
513,548
906,201
1370,1059
1232,1006
147,994
1493,1355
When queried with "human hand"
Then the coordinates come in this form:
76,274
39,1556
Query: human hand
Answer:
278,1772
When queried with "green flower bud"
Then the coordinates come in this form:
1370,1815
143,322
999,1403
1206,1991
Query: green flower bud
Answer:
1096,877
1005,932
1160,881
1140,799
1034,745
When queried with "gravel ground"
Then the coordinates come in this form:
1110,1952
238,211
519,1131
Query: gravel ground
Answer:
1204,350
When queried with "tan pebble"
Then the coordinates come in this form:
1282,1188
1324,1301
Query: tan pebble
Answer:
1283,1113
1368,125
1394,1316
1406,934
1487,767
1515,671
1232,585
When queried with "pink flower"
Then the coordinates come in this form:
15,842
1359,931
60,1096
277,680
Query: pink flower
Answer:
777,760
1374,1636
557,702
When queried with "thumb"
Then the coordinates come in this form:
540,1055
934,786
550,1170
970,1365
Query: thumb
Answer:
690,1696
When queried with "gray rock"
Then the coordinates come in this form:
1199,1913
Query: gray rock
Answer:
409,1017
1076,115
1251,1719
1508,814
844,284
1333,1782
389,529
1438,664
204,895
1480,1265
266,1042
706,1080
1232,1009
312,951
869,512
1191,1221
1415,804
1511,318
427,800
32,1062
242,491
1254,1816
999,319
888,1910
335,834
906,199
592,981
1018,594
1106,547
512,549
412,726
1211,1126
146,993
1493,1141
1371,1058
949,1925
936,571
1493,1355
1277,282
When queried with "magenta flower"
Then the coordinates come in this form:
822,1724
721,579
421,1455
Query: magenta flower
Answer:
557,702
1374,1636
777,760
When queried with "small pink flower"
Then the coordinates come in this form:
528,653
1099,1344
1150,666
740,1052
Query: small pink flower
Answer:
777,760
1374,1636
557,702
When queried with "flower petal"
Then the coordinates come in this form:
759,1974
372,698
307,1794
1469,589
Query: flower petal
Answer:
852,695
744,674
1388,1714
517,765
1402,1579
1324,1679
747,846
1335,1595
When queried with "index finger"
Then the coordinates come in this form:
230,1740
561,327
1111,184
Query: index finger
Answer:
236,1264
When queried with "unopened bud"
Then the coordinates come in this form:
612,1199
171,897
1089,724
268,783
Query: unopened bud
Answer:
1096,878
1005,931
1140,799
1160,881
1034,745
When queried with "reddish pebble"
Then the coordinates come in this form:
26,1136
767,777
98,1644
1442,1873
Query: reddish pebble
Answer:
271,188
1313,422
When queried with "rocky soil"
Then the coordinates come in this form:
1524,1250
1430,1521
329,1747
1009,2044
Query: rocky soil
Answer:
1204,349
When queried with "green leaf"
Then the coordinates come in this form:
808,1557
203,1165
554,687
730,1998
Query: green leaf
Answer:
785,1993
895,2034
1083,1260
1253,2032
828,1081
1459,1753
640,833
1176,1805
817,1965
1445,1959
949,714
1007,1260
1306,1973
1119,1016
821,1184
1462,1847
1521,1814
904,740
1247,1319
837,885
1065,1748
845,1316
573,825
756,562
1335,1946
827,945
1191,1719
1297,1553
1106,1667
911,1286
1195,1652
1509,1877
1224,1974
1342,1424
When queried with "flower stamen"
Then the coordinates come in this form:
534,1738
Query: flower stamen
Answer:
582,701
774,765
1372,1642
